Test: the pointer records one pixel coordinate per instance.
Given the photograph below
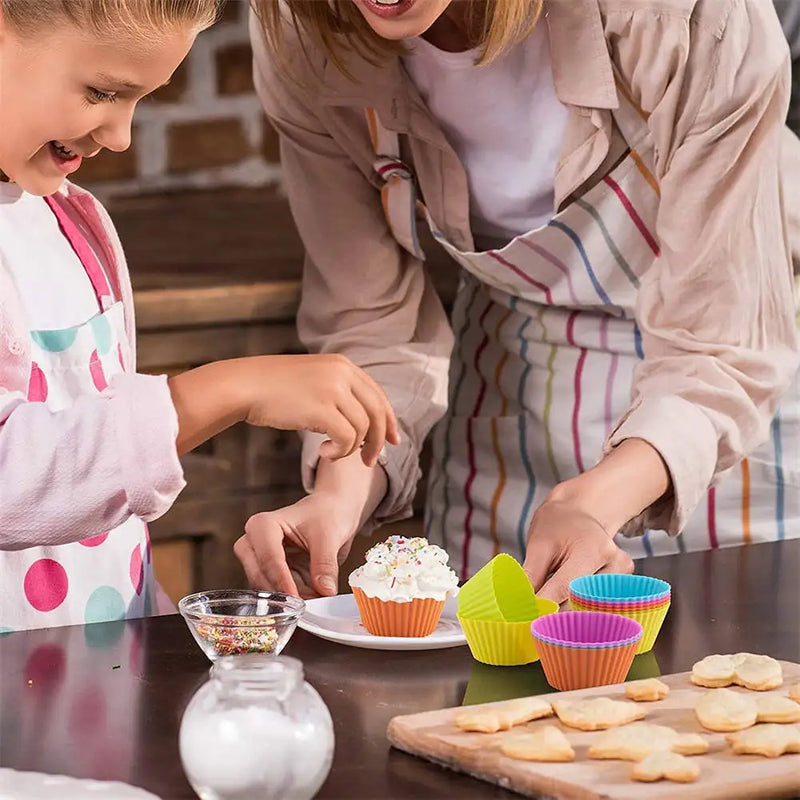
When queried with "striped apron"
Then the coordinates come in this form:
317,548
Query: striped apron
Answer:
546,346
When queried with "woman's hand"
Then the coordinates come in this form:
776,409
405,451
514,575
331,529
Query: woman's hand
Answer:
565,542
572,532
297,549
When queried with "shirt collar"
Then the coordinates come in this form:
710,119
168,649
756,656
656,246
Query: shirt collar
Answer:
582,69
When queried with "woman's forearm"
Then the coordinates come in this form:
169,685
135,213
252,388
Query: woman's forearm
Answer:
628,480
358,487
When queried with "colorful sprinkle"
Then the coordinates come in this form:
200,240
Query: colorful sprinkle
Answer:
230,636
403,567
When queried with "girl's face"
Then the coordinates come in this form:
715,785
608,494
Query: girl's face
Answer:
401,19
65,94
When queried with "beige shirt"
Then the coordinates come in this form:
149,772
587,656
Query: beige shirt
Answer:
716,310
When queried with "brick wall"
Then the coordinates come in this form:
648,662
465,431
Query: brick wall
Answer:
204,129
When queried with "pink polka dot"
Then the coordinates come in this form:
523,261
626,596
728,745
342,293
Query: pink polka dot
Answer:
96,371
149,546
46,584
94,541
88,712
137,573
135,654
45,667
37,386
109,759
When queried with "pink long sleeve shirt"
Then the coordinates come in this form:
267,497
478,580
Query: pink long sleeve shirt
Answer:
69,475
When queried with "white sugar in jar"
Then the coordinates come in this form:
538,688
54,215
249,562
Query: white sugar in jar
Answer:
256,729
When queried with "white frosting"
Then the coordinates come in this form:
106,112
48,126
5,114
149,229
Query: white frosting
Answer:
402,569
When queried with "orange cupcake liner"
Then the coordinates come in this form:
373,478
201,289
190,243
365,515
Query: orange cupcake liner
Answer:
568,668
418,617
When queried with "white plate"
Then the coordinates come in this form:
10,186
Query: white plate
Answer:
39,786
337,620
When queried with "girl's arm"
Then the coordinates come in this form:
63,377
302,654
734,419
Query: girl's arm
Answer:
72,474
69,475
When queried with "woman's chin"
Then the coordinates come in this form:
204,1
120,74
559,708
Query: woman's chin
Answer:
403,20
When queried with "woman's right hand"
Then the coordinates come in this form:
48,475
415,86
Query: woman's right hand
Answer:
297,549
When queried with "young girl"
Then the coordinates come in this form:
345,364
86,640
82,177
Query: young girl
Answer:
612,178
88,448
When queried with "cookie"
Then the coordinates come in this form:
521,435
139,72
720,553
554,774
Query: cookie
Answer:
752,671
766,740
794,692
634,742
598,713
776,708
502,716
760,673
725,710
714,672
647,690
544,744
665,765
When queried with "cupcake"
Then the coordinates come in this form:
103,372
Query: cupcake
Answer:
401,589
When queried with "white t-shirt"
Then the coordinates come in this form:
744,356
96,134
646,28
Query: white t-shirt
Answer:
506,124
55,290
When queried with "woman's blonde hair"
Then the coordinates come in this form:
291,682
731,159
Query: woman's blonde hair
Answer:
137,18
337,26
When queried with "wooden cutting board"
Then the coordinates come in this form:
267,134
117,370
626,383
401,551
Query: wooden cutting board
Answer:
434,736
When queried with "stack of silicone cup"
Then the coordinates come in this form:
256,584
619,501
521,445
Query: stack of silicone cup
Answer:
641,598
496,608
580,649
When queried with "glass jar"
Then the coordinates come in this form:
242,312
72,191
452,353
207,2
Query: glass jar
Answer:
256,729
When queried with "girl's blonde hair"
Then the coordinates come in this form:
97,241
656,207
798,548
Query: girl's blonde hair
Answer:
336,26
136,18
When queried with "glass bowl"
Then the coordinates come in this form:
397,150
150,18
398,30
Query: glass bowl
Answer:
226,622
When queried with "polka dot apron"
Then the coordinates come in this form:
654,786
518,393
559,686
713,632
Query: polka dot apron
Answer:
108,576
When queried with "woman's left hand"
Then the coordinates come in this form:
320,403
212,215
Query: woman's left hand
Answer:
566,542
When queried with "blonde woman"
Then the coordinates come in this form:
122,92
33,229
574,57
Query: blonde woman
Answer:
609,178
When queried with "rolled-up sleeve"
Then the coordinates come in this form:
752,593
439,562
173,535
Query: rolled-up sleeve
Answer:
716,310
362,295
71,474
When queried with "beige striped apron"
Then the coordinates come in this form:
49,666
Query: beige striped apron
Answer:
546,345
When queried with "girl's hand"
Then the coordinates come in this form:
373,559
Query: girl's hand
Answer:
565,542
322,393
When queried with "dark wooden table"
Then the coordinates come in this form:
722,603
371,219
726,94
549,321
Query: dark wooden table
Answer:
105,701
